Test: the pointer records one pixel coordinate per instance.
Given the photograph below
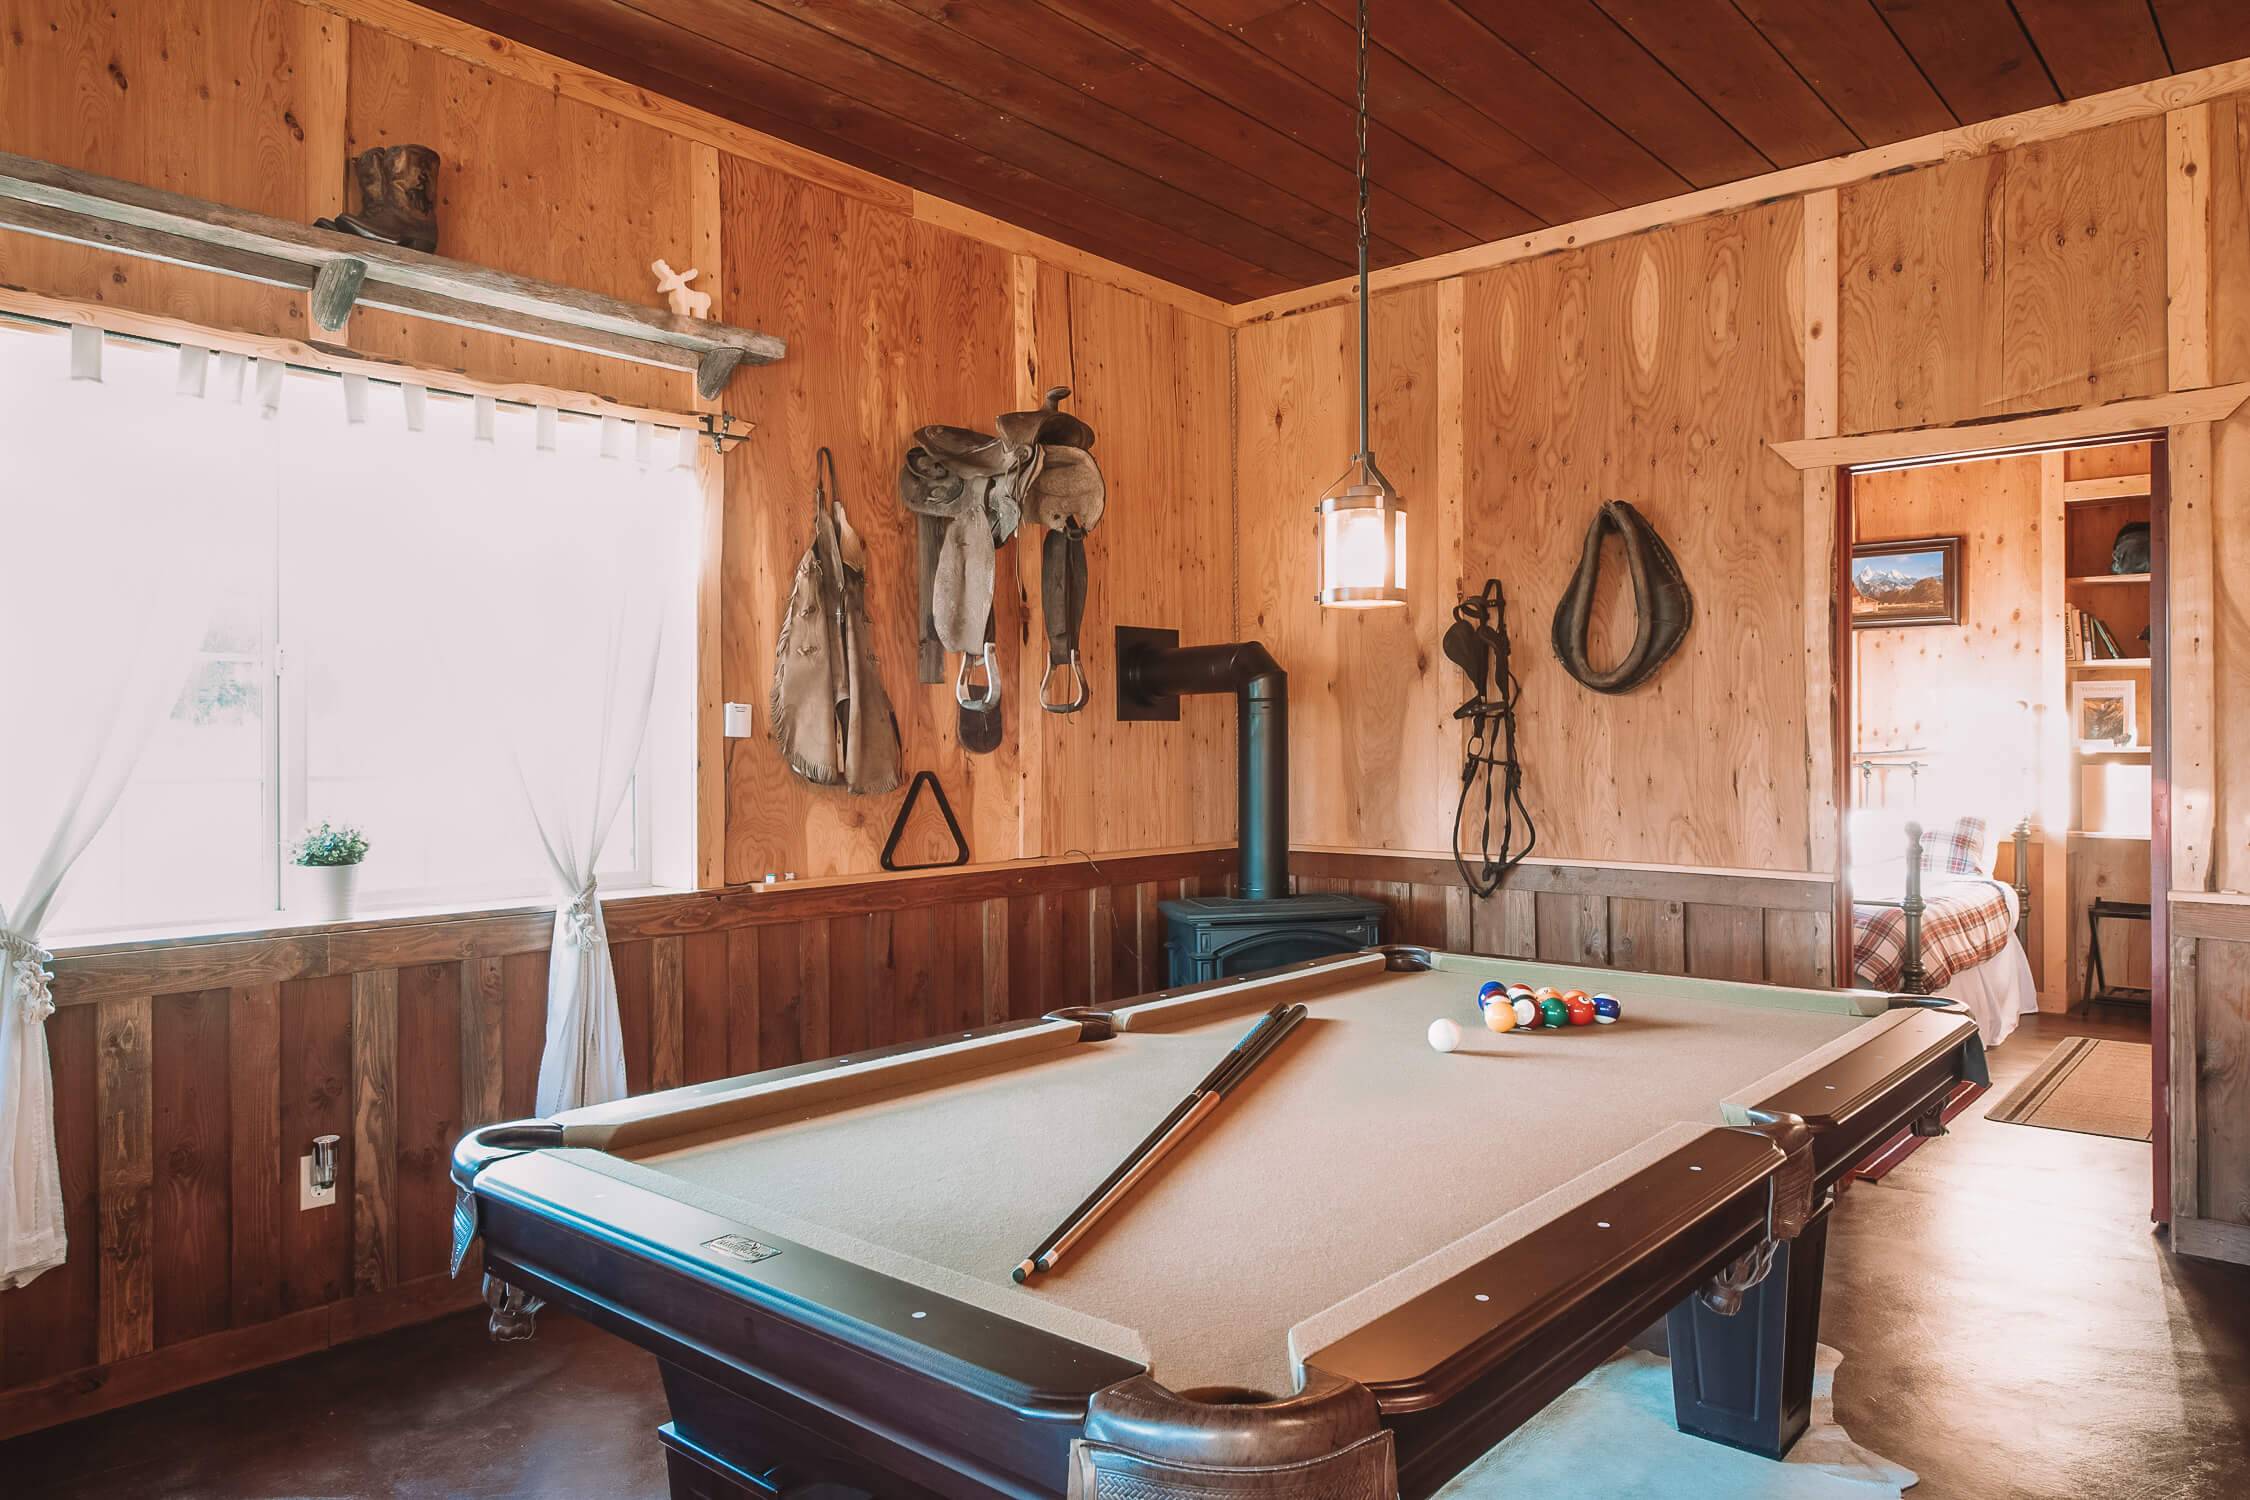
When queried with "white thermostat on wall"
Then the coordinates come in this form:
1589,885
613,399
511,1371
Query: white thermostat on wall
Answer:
738,721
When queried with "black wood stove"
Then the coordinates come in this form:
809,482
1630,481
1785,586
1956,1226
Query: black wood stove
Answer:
1262,926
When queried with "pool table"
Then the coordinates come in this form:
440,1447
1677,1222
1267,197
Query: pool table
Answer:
1370,1264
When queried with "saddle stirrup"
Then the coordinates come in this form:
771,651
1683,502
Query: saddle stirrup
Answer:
990,659
1078,674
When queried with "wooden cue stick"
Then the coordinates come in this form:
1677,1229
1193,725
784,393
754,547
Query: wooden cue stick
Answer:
1237,1065
1219,1070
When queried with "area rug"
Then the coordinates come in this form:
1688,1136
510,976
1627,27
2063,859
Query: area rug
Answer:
1612,1435
2088,1086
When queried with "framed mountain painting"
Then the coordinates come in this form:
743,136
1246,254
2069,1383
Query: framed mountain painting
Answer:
1912,582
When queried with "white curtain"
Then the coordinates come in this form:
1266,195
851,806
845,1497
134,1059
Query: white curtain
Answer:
602,536
133,465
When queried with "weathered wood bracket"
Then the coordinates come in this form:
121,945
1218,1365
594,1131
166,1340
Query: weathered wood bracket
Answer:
342,271
335,288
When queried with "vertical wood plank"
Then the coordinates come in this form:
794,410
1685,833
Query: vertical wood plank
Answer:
1102,949
1646,935
1800,948
1460,926
2187,240
128,1312
1725,942
914,984
667,1044
1822,411
629,962
812,982
191,1161
707,247
1452,449
259,1172
703,983
484,1068
744,1030
884,976
781,997
2186,1100
426,1116
992,925
967,923
1027,956
2192,627
316,1100
848,984
374,1130
523,1032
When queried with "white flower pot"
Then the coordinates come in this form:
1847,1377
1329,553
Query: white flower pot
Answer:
323,892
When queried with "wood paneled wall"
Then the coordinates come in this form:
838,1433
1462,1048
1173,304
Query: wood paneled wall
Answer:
894,320
1721,924
1510,404
189,1080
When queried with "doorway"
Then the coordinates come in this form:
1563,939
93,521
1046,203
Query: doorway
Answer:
2001,684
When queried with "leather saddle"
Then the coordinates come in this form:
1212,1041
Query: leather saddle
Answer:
974,490
1662,607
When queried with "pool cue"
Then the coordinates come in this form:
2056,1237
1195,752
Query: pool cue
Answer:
1205,1097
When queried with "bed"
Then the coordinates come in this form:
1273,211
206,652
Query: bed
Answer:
1952,930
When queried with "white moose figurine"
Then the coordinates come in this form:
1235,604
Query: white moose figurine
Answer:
686,301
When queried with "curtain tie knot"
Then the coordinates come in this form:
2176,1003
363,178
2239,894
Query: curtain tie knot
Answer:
583,914
28,962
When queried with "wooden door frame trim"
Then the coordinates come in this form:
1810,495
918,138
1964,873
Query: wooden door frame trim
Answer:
2073,427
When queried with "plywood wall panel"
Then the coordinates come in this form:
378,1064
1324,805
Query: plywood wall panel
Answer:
2221,1080
2013,282
233,102
1919,301
1651,370
1374,751
428,1115
534,183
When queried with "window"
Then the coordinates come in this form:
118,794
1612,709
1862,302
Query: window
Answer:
393,575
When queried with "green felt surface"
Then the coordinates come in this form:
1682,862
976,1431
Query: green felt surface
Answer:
1351,1157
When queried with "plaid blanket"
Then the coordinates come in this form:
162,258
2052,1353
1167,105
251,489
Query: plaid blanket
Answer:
1964,923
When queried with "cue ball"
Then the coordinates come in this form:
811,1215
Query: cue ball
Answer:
1444,1035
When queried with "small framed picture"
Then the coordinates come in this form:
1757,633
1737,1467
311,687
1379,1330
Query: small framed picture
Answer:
2103,716
1911,582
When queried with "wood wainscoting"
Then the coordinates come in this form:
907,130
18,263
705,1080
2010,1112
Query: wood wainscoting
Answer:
1777,926
2210,1075
191,1076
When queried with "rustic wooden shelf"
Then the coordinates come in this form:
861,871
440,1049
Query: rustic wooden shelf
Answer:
2122,752
2110,578
2112,487
341,271
2104,663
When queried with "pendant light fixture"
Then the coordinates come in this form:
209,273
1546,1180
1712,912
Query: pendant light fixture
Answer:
1360,522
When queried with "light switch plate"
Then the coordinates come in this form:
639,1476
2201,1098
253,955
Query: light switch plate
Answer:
308,1196
737,721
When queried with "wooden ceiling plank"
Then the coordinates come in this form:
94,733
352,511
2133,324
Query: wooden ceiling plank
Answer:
2201,33
1093,64
946,54
2093,45
786,42
1585,52
1320,48
1228,68
1850,58
1974,53
635,45
1710,47
1441,42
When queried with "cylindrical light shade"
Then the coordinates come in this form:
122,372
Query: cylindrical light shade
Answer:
1362,537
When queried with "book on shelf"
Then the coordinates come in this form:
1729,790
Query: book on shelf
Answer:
2074,643
2105,643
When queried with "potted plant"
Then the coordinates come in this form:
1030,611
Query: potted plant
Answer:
327,860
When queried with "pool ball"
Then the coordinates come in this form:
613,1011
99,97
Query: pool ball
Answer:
1444,1035
1606,1009
1553,1014
1489,991
1581,1012
1500,1016
1546,992
1527,1011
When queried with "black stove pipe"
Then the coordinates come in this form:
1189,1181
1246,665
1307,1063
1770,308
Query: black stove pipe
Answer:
1261,688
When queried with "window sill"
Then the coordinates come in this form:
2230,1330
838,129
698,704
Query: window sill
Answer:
280,925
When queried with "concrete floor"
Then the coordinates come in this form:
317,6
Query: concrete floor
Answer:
2011,1327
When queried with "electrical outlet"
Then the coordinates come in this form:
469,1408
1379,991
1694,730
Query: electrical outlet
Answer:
308,1196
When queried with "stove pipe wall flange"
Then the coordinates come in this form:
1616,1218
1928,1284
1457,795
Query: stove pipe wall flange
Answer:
1154,671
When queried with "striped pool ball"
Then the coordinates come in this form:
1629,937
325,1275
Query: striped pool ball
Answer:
1527,1011
1606,1009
